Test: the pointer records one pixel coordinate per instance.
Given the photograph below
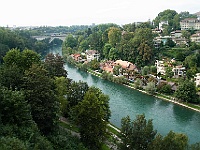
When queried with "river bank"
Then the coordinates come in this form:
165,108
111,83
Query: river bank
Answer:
171,99
126,101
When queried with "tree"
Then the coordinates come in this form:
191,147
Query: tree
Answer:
11,76
116,70
145,70
153,70
14,109
186,14
164,88
54,64
138,83
168,72
171,17
11,143
75,93
185,34
150,88
137,134
22,60
187,91
90,114
170,43
62,85
106,50
173,141
94,64
114,36
104,99
70,41
113,54
95,41
40,94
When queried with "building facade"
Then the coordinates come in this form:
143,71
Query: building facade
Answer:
190,23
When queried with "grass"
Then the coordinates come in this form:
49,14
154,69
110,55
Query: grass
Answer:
105,147
69,126
112,130
192,105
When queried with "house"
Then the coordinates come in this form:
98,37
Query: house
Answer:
92,54
198,15
195,37
107,66
176,34
160,67
77,57
179,71
190,23
126,65
197,79
180,41
161,39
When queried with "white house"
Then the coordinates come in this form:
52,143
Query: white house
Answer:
176,34
179,71
197,79
160,67
92,54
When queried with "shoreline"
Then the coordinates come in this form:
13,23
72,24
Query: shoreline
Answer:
162,98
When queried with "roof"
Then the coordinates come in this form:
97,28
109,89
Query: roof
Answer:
126,64
198,13
195,35
91,52
122,63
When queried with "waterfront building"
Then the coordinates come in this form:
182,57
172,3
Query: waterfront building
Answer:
92,54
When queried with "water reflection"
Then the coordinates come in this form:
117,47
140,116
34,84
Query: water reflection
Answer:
181,116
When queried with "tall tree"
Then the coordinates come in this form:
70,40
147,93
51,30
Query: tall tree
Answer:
22,60
90,114
14,109
55,65
173,141
137,134
114,36
187,92
75,93
40,94
70,41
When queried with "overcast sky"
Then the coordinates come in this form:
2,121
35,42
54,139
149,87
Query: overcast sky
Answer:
86,12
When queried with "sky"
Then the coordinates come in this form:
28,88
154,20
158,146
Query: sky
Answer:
86,12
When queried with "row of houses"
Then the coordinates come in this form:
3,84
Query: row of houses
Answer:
108,66
176,37
179,71
161,66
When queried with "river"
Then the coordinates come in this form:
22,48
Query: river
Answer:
125,101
